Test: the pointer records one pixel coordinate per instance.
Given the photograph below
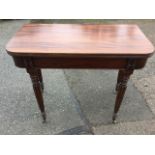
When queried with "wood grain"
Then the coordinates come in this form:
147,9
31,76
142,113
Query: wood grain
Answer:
79,40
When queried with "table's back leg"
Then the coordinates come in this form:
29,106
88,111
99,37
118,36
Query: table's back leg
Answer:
122,85
37,90
40,78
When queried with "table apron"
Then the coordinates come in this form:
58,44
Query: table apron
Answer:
78,63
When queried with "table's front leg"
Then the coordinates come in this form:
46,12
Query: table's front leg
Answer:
35,77
123,78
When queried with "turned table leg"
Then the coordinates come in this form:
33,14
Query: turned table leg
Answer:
37,89
40,78
123,78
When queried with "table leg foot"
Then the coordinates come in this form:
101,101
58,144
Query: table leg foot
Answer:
44,117
114,118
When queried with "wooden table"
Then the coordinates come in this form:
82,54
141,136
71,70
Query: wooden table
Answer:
122,47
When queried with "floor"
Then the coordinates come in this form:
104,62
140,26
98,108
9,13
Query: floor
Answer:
77,101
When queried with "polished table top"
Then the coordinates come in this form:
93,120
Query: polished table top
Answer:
79,39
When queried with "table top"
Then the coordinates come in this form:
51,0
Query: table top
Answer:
79,39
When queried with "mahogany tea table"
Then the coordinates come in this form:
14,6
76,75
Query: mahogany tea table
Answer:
80,46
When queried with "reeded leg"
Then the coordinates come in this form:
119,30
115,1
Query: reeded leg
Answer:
122,85
40,78
37,90
119,77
